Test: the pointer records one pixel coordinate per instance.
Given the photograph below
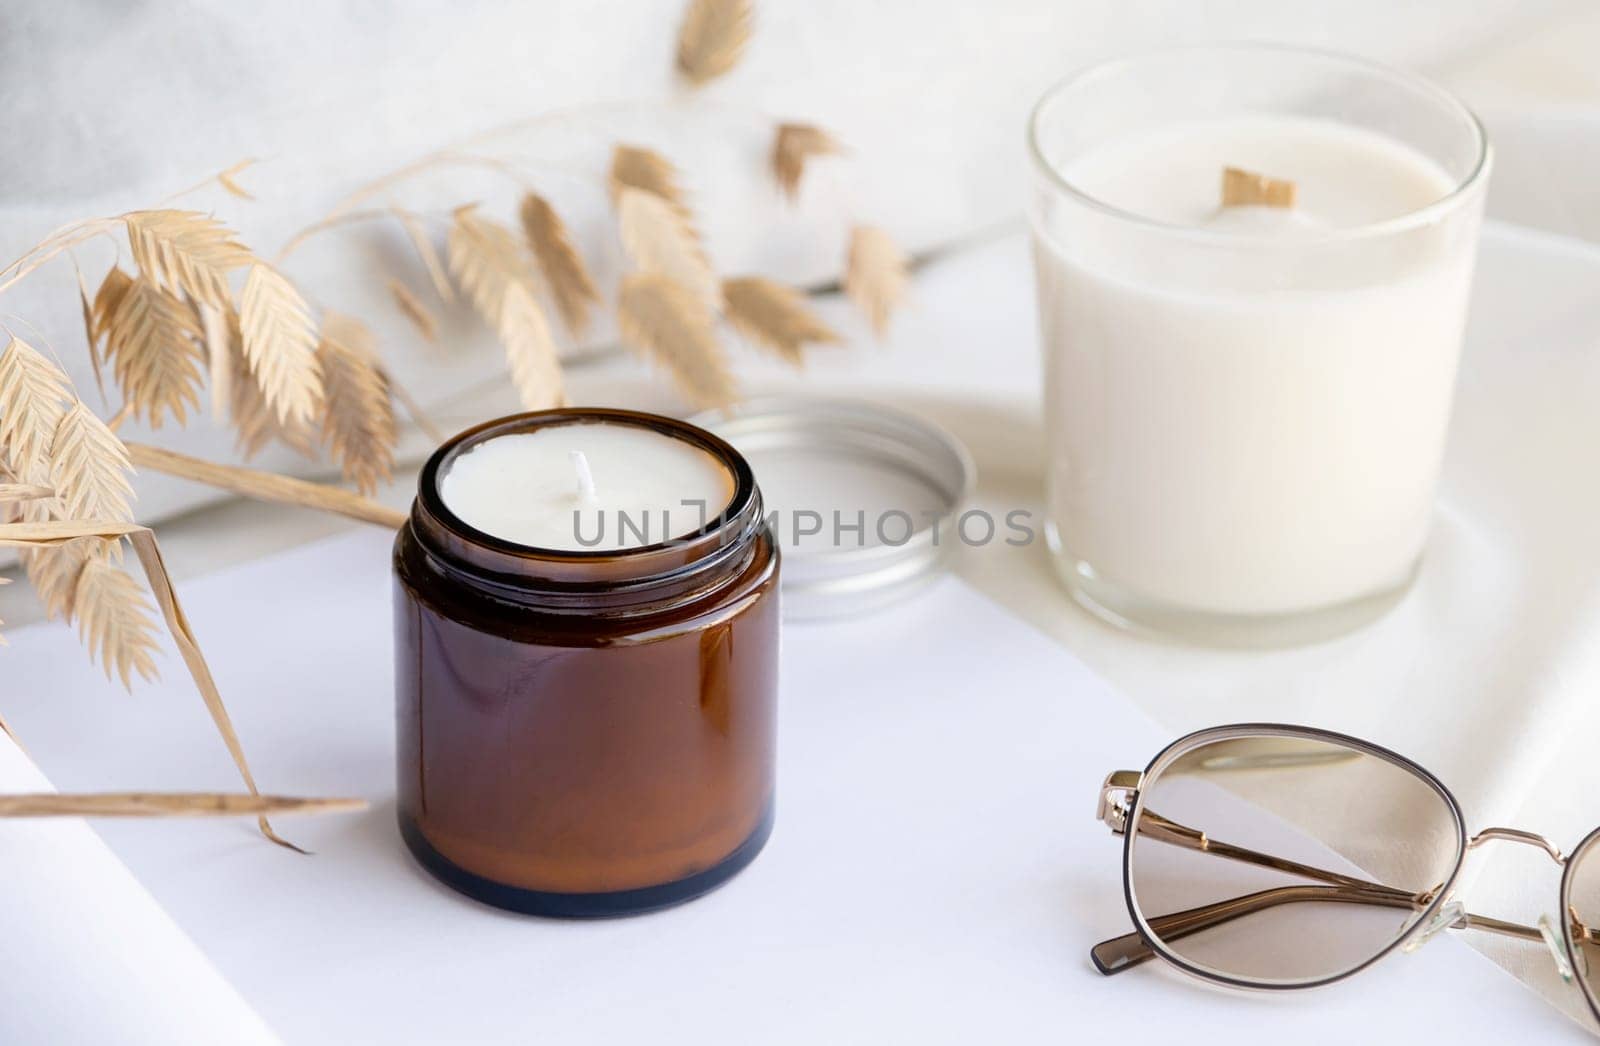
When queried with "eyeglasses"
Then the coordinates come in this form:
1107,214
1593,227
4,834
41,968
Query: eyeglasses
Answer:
1281,857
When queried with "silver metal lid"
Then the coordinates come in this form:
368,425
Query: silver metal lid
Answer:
863,497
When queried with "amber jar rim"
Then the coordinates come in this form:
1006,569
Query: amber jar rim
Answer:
557,579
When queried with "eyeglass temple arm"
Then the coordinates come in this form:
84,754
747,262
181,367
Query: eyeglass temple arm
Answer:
1153,826
1129,950
1125,952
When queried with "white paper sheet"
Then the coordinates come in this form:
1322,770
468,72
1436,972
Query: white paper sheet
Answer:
936,874
88,956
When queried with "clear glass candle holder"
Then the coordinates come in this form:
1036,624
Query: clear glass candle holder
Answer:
1246,407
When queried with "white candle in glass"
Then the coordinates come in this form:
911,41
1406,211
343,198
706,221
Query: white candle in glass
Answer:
1246,407
1251,452
589,486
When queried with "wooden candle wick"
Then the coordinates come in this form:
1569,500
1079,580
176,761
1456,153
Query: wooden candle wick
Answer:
1241,188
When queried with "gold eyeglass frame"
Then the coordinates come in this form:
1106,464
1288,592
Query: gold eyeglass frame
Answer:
1121,807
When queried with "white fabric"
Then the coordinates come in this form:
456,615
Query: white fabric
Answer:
121,105
935,874
1538,92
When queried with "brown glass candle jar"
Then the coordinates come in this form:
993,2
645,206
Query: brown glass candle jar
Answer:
585,733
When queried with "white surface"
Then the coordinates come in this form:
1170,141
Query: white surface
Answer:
89,955
586,487
935,875
1486,673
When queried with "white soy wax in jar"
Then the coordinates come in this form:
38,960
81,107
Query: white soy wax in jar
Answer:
1245,407
589,486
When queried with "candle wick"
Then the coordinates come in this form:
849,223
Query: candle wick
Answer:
580,465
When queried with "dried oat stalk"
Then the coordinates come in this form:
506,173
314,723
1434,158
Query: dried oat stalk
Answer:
793,145
280,344
267,486
635,167
530,350
358,421
97,317
486,259
217,328
658,240
712,38
670,323
154,345
875,275
228,179
493,269
106,300
33,395
255,423
114,620
109,620
427,254
89,469
412,308
186,252
559,262
91,337
166,804
774,316
53,570
14,493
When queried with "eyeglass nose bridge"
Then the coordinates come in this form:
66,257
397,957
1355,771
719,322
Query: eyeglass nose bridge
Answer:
1452,915
1517,835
